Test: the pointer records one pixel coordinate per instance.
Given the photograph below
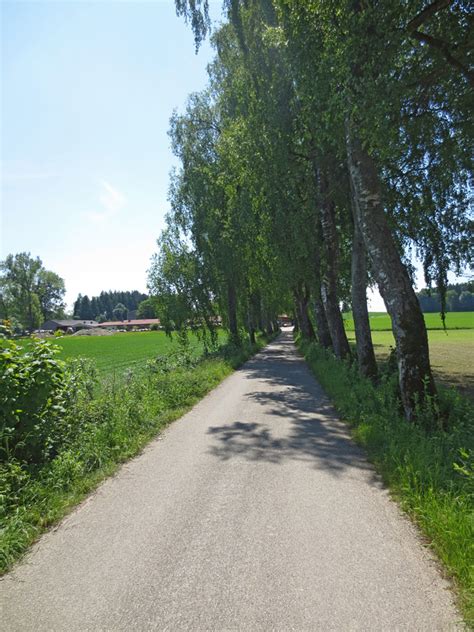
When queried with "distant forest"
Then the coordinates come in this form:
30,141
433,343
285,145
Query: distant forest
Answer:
108,305
459,298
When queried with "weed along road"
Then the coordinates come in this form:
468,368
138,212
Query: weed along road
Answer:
255,511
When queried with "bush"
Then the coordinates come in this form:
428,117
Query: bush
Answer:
32,397
37,394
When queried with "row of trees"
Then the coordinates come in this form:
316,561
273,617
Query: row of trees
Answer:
110,305
333,141
459,298
29,294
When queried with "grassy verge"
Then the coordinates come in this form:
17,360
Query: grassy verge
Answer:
103,425
431,475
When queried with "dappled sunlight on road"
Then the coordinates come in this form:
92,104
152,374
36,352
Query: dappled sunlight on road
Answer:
294,419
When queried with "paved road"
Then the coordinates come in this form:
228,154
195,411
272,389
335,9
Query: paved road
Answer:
253,512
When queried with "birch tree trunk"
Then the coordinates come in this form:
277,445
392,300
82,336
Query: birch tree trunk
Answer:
296,327
260,316
415,377
322,328
365,348
232,312
301,305
329,285
250,327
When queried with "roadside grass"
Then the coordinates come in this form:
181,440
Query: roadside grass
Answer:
122,350
380,321
109,424
431,475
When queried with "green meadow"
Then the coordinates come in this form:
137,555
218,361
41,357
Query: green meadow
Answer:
123,350
380,321
451,355
451,349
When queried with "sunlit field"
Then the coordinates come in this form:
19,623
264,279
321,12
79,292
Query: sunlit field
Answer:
122,350
451,354
380,321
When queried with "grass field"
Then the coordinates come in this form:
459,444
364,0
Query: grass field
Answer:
451,350
122,350
380,321
451,354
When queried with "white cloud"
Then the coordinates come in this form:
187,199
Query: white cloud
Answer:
111,201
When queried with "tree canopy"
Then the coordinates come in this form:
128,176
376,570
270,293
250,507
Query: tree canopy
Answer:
333,142
29,294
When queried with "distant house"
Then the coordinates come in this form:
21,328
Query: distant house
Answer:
68,325
136,323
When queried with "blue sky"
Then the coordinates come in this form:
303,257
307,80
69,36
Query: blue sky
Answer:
87,92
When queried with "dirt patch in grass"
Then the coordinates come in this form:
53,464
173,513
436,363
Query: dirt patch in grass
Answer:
97,331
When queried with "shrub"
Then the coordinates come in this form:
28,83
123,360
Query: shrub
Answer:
32,397
37,393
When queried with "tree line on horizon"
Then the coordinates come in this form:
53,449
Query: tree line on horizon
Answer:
459,298
111,305
30,295
333,142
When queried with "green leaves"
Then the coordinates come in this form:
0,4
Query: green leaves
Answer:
36,391
287,78
28,292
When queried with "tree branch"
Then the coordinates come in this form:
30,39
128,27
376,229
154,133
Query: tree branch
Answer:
427,12
309,156
434,42
444,49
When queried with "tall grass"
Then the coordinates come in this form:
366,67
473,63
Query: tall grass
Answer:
105,423
431,474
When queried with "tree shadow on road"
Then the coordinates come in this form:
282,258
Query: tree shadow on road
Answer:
289,393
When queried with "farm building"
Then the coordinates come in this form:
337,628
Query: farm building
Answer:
68,325
137,323
285,320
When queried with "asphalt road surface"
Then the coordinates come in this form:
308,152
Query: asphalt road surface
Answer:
255,511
